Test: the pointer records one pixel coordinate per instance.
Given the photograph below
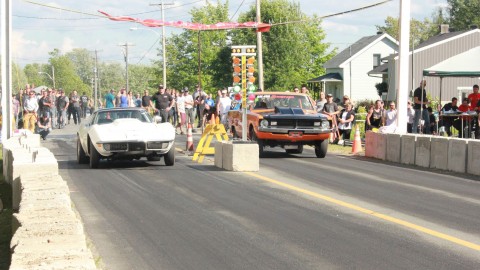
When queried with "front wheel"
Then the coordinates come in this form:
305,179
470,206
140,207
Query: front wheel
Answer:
94,157
321,148
169,158
261,151
81,156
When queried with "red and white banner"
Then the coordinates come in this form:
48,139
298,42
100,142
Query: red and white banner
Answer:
260,27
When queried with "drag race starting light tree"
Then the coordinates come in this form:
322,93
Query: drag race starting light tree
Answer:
243,58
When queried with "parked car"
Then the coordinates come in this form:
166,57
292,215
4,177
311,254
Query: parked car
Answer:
124,133
287,120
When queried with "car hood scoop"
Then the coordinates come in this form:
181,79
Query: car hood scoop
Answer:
287,110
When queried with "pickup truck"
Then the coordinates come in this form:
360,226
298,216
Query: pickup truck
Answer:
283,119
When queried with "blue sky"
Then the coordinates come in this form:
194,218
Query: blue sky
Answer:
38,30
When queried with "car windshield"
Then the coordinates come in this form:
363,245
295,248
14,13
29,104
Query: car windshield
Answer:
266,101
106,117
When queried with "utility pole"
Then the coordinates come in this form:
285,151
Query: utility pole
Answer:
259,50
162,5
199,61
95,78
6,66
53,76
125,54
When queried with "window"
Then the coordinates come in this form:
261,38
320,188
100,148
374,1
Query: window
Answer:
376,60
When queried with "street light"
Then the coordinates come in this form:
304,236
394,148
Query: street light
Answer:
163,51
51,77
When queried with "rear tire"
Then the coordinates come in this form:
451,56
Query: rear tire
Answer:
321,148
295,151
169,158
81,156
94,157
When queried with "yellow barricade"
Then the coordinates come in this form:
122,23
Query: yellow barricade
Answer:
203,148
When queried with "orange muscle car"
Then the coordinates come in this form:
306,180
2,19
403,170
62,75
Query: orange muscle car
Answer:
284,119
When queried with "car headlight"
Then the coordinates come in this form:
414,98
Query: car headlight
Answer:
106,146
325,124
264,123
157,145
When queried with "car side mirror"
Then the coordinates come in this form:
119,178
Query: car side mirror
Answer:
158,119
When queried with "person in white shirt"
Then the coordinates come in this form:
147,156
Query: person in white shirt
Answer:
181,112
30,107
223,106
411,116
189,110
389,119
345,120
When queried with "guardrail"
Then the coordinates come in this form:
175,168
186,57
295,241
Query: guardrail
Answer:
46,232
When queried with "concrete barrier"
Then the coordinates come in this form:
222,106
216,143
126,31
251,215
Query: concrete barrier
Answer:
218,158
457,155
394,146
422,151
370,144
240,156
381,147
439,153
407,151
473,160
47,233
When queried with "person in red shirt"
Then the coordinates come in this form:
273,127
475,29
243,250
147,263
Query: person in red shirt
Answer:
463,128
474,98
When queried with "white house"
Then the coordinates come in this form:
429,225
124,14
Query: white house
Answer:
346,73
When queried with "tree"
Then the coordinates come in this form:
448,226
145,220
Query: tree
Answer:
84,64
292,52
420,31
31,72
185,49
110,76
141,77
463,13
65,74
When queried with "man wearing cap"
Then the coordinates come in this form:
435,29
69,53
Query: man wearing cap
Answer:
420,102
163,103
223,106
30,107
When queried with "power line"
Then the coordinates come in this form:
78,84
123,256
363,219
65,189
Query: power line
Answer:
243,1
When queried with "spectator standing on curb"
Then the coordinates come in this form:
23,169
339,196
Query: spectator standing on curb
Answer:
30,108
420,102
146,98
62,106
76,111
138,101
321,102
199,98
180,104
189,109
110,99
410,115
15,109
163,103
84,103
345,121
223,106
374,116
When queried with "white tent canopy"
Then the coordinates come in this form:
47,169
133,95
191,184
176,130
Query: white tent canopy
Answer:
466,64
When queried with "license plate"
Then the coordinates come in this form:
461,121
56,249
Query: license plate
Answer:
295,133
288,147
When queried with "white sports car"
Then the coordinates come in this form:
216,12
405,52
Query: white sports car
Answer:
124,133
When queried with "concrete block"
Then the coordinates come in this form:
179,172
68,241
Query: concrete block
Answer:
241,157
439,153
219,154
394,147
370,144
32,140
381,147
457,155
473,160
422,151
407,153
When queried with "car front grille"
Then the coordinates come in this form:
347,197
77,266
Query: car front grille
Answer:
118,146
136,146
290,123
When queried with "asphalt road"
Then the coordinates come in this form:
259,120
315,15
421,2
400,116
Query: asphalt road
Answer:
297,212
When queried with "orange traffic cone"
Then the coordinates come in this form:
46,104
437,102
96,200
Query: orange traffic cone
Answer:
357,142
189,138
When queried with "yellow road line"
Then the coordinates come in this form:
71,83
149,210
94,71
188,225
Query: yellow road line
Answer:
370,212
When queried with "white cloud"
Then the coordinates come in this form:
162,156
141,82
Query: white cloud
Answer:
28,48
67,45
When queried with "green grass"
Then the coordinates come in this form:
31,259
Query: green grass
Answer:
5,219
